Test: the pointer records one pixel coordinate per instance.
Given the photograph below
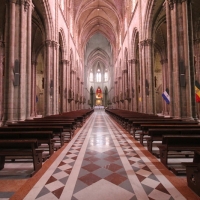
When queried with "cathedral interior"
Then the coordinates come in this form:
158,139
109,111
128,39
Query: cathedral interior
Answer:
64,56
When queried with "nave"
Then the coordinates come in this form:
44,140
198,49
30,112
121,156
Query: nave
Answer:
103,162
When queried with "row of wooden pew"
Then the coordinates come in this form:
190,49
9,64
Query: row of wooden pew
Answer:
174,138
38,138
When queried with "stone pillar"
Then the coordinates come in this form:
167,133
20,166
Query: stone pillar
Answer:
1,80
116,93
23,61
33,89
55,72
165,85
10,62
119,90
182,59
47,79
149,76
130,79
63,87
82,94
142,102
67,85
169,57
133,86
29,64
126,103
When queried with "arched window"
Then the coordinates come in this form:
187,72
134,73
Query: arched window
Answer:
106,75
98,75
91,76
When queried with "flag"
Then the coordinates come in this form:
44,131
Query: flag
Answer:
197,91
166,96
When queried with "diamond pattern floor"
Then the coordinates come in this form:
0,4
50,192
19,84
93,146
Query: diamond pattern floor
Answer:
102,162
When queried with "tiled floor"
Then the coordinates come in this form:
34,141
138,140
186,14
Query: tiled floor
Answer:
102,162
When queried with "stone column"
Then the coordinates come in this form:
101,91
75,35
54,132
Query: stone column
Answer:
23,61
119,90
82,94
63,87
130,104
29,64
9,76
142,102
116,93
169,56
47,79
33,89
133,86
165,84
126,103
182,60
149,76
67,85
1,80
55,72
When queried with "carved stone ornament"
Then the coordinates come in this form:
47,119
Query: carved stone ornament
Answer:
127,94
71,95
77,98
114,99
121,97
117,98
84,100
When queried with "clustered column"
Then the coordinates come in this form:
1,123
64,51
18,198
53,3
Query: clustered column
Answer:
1,80
10,62
181,58
47,79
33,89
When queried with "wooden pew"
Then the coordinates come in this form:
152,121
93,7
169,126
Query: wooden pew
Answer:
22,148
193,173
158,133
43,137
66,127
165,125
177,143
136,124
57,130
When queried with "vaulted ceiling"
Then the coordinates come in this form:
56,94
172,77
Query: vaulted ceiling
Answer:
104,16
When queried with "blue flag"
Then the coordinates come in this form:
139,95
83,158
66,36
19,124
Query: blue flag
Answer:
166,96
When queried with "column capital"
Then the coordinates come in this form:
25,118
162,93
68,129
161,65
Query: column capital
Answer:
25,3
164,61
48,43
12,1
55,44
172,2
147,42
34,62
65,62
33,7
124,71
183,1
73,71
197,41
133,61
142,43
1,44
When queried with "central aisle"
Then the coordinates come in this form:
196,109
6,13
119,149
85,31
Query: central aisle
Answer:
102,163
